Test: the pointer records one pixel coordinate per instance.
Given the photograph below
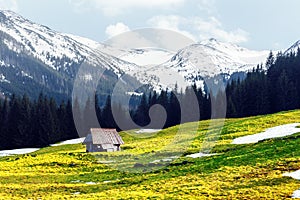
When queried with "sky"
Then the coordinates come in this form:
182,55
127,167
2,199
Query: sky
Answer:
255,24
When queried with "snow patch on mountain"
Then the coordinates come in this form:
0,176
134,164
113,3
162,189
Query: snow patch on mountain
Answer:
238,54
146,57
40,41
11,46
24,74
57,50
110,50
3,79
192,64
134,94
158,68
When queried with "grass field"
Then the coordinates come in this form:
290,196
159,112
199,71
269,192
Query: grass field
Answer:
252,171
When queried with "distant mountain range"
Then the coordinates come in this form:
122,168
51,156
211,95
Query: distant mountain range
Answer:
34,58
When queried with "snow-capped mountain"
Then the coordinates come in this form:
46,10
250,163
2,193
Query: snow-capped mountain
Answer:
147,57
221,58
34,58
239,54
202,60
45,44
32,55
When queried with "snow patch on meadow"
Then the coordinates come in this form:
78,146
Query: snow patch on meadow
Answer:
296,194
91,183
199,155
148,130
17,151
170,159
31,150
73,141
294,175
275,132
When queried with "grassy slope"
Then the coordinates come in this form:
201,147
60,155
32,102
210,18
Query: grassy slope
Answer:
238,171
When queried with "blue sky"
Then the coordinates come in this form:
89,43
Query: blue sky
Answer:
256,24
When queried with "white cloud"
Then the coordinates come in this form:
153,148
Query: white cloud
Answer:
207,6
199,28
116,7
171,22
116,29
150,38
8,5
213,28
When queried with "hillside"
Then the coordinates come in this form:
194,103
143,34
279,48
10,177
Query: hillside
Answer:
247,171
35,58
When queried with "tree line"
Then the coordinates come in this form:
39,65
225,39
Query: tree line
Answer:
266,91
38,123
140,113
25,123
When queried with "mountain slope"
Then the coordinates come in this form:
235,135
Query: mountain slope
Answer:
35,58
45,57
200,61
49,46
146,57
293,49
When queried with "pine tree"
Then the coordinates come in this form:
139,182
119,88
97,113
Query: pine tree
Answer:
141,115
5,139
24,128
63,119
87,116
107,116
173,110
78,118
14,123
54,135
97,108
282,85
71,131
42,121
270,60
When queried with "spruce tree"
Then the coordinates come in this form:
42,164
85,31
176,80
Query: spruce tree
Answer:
141,115
5,139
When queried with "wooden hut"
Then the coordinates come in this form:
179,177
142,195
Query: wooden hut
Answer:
103,140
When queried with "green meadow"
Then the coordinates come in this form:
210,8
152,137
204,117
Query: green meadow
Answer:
249,171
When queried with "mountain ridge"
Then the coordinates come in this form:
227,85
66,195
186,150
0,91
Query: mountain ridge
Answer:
58,56
294,48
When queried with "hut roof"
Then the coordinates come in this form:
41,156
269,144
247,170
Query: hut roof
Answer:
103,137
